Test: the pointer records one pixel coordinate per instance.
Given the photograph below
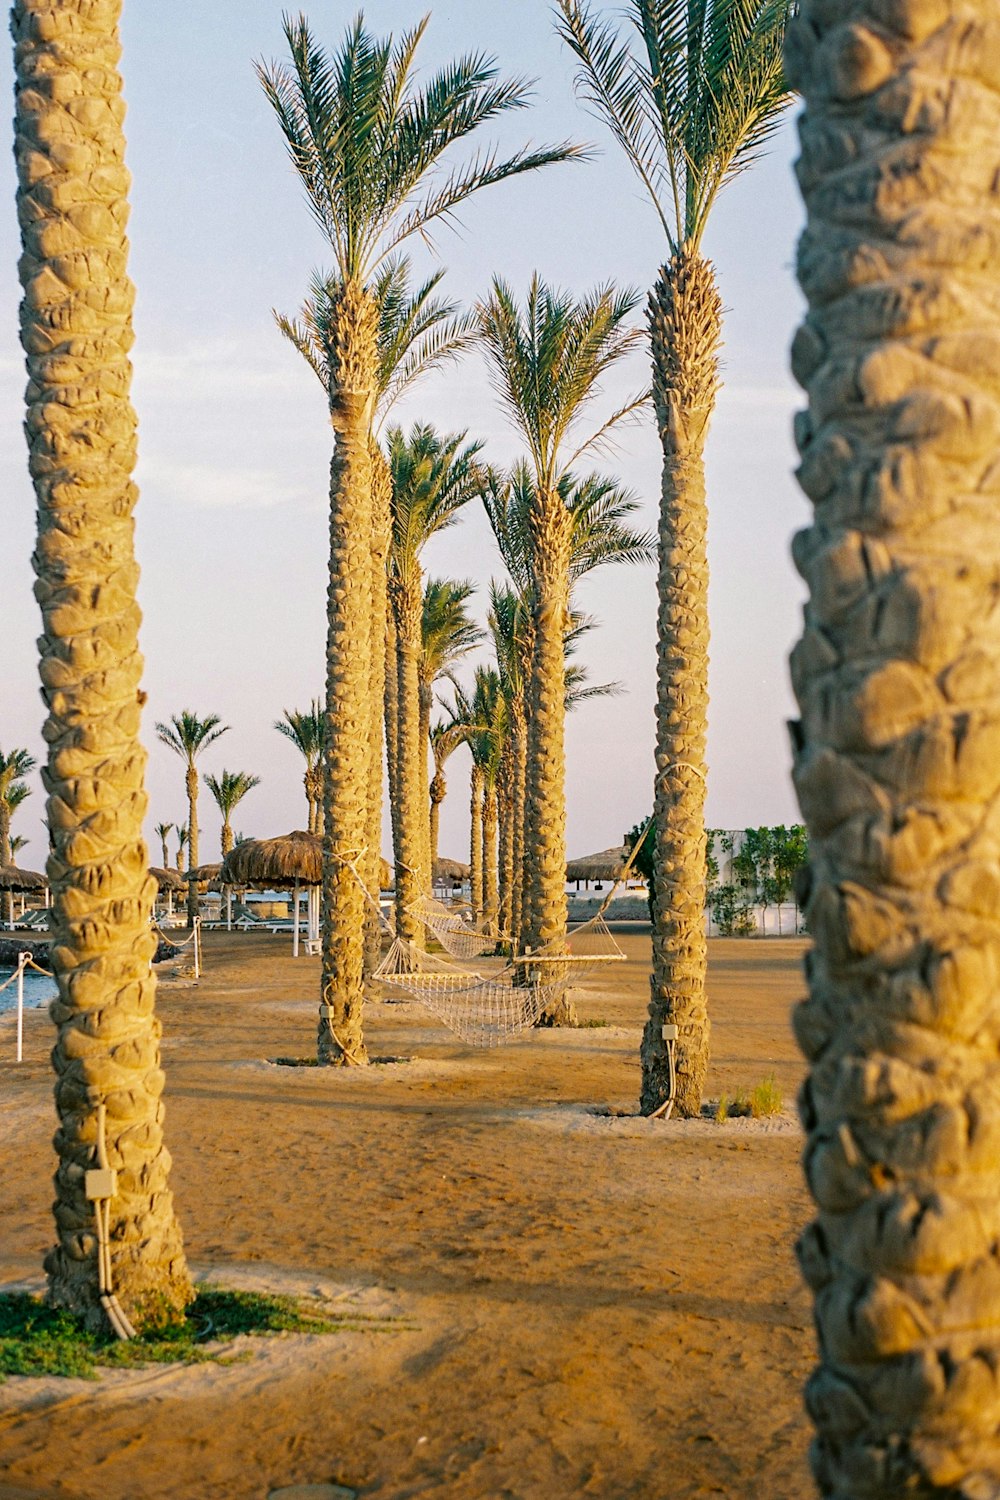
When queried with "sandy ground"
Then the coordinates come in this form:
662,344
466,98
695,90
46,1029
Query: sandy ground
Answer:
550,1303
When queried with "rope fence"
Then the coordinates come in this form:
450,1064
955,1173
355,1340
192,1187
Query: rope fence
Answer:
25,961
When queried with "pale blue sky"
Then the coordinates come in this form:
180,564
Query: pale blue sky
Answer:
235,444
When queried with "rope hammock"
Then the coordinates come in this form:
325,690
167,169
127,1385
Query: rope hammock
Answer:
454,928
483,1010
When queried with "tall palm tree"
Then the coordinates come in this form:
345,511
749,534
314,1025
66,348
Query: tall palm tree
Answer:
305,730
691,90
367,141
547,362
80,426
188,736
418,331
162,830
447,635
432,479
228,790
895,759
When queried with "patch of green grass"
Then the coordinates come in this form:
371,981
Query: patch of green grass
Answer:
39,1340
593,1024
763,1099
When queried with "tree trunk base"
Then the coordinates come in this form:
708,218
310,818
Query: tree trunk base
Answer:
561,1012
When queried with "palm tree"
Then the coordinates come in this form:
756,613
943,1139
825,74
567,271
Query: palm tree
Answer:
305,730
417,332
161,830
445,738
895,759
366,141
80,426
547,363
17,843
691,90
447,635
432,479
13,792
229,789
188,736
182,845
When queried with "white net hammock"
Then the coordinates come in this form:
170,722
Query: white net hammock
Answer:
487,1010
455,928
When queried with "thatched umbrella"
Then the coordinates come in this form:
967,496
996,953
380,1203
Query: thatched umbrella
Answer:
167,881
292,860
15,880
451,870
606,865
205,875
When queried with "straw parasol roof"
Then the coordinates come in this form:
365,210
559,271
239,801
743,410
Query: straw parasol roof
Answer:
167,880
203,873
606,865
276,862
14,879
451,869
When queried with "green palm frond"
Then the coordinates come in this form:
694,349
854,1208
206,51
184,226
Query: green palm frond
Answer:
368,141
690,89
432,478
417,332
305,730
229,789
14,765
548,359
447,630
579,690
187,735
16,793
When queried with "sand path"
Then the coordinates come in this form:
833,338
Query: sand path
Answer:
560,1304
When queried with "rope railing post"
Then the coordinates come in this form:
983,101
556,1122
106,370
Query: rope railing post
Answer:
22,961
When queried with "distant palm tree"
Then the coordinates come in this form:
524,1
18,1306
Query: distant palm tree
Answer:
13,792
432,479
76,329
161,830
228,790
691,90
17,843
305,730
447,635
547,362
445,738
182,847
188,736
366,140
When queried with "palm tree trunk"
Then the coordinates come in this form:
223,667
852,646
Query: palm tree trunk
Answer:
476,841
426,706
438,792
381,538
307,782
505,860
686,322
545,832
346,751
519,743
76,331
191,780
5,859
166,854
410,804
392,724
896,755
491,897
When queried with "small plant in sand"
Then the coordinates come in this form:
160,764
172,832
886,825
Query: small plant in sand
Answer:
36,1339
762,1100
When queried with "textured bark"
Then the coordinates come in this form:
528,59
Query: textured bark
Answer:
191,783
544,916
438,792
346,752
392,727
519,757
411,806
505,856
227,838
476,841
685,317
424,736
491,895
381,539
5,860
897,754
76,330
